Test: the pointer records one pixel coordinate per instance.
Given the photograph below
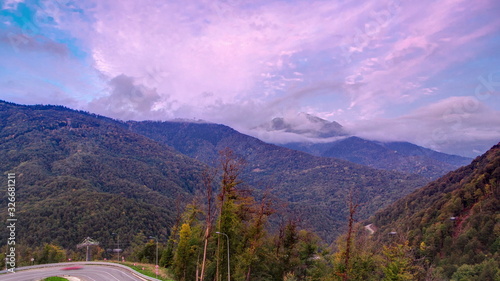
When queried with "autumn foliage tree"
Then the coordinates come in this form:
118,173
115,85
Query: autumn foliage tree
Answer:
229,207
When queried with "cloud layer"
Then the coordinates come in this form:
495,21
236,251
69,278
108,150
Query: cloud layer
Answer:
459,125
395,63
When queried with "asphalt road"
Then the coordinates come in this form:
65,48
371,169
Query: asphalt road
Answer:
88,272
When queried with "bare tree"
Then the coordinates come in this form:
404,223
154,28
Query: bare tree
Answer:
352,211
231,166
208,179
263,210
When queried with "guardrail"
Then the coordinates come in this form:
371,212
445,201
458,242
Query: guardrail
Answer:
138,274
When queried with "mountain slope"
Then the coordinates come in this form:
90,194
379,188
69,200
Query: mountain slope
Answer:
316,187
82,175
58,153
323,138
454,220
393,156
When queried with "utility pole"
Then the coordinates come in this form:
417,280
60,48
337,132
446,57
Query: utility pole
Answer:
118,245
87,242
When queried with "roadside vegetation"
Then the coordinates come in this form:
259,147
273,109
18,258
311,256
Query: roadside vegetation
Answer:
55,278
149,270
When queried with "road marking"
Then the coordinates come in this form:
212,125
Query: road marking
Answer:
94,268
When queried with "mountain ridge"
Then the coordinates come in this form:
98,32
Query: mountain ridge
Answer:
392,156
296,176
53,148
57,153
453,222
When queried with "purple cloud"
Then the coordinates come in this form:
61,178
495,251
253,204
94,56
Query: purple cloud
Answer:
242,63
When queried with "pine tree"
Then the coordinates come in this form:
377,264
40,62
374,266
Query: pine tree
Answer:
183,255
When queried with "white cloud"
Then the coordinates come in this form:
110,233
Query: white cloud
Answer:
449,125
242,63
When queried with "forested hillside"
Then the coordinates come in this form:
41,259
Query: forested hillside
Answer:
452,223
79,175
315,188
82,175
448,230
393,156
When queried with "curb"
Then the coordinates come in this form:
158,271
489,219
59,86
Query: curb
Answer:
135,273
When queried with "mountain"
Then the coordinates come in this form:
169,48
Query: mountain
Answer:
453,222
79,175
315,187
392,156
323,138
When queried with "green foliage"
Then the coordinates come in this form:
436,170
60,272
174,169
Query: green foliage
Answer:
50,253
311,186
255,254
148,272
365,261
394,156
83,175
453,223
147,253
488,270
60,153
167,256
398,263
183,259
55,278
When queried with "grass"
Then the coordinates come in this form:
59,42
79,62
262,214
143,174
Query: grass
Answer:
149,270
55,278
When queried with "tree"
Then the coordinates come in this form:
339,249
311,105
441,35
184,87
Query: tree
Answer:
228,222
147,254
398,265
254,253
50,253
352,211
136,246
343,270
253,237
184,254
208,179
168,254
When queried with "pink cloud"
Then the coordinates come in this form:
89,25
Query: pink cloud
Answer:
281,55
430,39
445,125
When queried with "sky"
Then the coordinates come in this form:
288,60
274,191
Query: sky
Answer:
424,71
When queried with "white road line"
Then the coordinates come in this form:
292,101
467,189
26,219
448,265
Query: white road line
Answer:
90,272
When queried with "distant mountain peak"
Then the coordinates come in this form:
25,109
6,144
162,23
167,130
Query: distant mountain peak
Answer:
316,119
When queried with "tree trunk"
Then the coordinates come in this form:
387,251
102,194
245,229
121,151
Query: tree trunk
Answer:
352,211
207,232
207,180
248,273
